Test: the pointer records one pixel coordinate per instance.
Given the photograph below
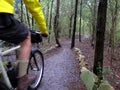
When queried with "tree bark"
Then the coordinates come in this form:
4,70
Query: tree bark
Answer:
50,22
47,14
21,11
99,48
71,20
94,24
56,24
114,14
28,18
70,25
80,25
74,29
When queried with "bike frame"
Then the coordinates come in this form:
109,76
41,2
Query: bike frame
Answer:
2,69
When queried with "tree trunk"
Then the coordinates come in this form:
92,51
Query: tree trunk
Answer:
28,18
50,22
99,48
47,14
71,19
94,24
114,14
33,23
74,29
56,24
80,26
70,25
21,11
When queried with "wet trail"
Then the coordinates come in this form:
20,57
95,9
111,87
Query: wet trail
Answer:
61,72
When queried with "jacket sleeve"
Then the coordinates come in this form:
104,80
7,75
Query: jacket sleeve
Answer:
35,9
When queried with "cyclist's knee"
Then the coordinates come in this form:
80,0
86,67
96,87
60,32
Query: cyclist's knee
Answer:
27,41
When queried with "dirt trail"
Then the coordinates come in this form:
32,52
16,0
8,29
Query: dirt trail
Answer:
61,71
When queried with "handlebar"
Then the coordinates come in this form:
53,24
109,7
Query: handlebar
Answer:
35,36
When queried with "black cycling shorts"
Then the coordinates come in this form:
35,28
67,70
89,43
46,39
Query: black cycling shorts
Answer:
11,30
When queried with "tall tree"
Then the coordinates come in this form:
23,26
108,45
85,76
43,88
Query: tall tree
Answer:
114,15
80,26
47,13
71,19
50,21
99,48
74,29
94,24
56,24
28,18
21,11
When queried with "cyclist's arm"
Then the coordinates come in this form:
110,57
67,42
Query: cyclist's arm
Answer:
35,9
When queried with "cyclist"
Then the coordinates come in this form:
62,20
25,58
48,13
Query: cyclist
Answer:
13,31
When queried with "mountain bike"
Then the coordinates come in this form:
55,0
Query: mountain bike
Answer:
9,70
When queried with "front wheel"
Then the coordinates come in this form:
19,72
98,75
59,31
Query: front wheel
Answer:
36,68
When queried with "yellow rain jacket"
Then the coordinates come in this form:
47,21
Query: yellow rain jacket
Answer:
6,6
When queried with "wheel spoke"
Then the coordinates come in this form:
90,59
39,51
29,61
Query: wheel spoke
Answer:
36,67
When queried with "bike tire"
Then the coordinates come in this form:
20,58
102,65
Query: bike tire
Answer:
36,68
3,86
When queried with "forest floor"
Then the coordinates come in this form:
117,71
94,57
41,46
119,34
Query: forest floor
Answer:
62,69
111,73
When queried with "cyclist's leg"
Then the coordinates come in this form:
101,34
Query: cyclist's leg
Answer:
24,56
23,80
13,31
25,49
